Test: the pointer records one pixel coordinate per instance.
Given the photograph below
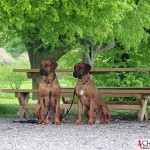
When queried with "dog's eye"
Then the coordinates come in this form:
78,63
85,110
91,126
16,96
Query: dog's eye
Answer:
80,68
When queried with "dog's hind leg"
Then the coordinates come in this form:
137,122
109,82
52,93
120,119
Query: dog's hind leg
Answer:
99,116
91,114
106,114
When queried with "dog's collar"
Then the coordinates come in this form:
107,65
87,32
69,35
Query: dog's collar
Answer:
50,82
85,81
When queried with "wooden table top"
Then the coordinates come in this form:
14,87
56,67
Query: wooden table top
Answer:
94,70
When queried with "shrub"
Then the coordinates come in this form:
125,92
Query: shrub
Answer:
10,79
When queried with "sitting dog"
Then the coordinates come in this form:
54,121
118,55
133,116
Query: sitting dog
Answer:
49,95
88,95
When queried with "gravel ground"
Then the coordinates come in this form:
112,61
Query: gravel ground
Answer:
118,135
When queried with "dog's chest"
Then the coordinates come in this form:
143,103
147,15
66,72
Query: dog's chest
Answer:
82,94
84,98
44,89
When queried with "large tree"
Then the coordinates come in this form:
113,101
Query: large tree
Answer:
49,28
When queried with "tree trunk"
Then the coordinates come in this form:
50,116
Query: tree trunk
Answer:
89,59
36,54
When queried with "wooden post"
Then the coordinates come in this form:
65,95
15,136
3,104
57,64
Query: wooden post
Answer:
143,112
36,78
23,100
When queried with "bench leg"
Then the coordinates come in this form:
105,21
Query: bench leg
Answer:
143,112
23,100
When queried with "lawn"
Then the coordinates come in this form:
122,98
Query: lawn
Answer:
9,106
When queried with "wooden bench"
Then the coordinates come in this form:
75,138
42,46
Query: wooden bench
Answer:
142,95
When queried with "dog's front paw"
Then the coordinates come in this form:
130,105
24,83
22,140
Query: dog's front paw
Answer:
90,123
78,122
44,123
104,122
57,122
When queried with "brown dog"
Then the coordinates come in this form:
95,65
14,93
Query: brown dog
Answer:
47,101
88,95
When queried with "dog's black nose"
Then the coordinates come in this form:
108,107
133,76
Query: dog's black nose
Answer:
74,75
77,75
43,72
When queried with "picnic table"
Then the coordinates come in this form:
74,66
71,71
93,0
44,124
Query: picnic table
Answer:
141,93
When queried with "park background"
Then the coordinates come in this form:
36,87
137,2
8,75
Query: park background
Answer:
105,34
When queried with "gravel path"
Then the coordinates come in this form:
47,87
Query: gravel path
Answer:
118,135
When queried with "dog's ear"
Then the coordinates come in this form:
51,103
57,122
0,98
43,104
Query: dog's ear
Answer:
54,64
87,68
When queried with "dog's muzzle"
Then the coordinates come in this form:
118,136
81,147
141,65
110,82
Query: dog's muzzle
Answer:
43,72
76,75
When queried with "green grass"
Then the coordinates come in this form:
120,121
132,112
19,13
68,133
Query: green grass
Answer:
26,85
8,110
9,107
11,111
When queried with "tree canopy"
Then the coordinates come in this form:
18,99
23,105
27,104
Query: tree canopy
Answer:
50,28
